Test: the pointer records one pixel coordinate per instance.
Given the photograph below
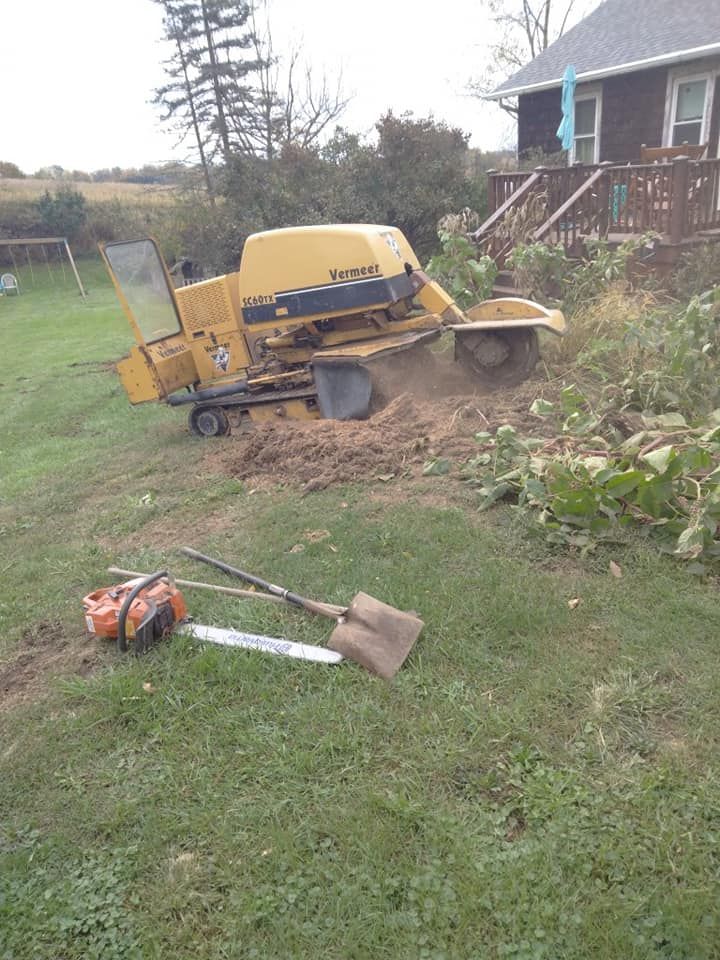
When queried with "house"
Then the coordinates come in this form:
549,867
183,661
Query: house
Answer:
648,73
645,157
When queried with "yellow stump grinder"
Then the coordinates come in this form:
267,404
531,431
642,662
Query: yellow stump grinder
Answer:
298,330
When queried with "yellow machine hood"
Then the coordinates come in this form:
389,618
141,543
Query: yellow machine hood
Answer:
323,271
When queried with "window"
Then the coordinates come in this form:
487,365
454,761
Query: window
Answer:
586,145
688,111
140,273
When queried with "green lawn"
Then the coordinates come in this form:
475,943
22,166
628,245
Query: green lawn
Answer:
537,782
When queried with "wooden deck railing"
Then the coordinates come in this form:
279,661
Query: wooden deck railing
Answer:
540,194
578,216
677,200
502,185
639,198
703,208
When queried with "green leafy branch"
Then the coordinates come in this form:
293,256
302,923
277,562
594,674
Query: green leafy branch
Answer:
675,357
468,278
544,271
580,489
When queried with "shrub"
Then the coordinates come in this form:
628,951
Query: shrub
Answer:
676,357
468,278
539,270
603,266
698,270
544,272
596,336
63,212
11,170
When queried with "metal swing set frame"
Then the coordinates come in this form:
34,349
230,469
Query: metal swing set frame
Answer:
44,242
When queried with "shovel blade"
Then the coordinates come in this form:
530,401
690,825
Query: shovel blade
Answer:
375,635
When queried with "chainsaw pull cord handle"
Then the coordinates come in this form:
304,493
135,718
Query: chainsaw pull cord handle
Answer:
128,602
326,610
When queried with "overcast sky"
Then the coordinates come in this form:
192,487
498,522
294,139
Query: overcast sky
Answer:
76,76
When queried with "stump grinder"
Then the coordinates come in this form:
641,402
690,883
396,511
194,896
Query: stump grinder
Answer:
300,329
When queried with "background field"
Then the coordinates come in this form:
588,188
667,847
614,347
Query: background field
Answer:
537,782
32,189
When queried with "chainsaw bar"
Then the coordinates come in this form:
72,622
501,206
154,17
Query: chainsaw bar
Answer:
255,641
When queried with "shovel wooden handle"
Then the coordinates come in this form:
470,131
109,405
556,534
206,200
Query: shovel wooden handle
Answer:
312,606
229,591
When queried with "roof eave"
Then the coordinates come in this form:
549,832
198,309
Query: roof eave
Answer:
677,56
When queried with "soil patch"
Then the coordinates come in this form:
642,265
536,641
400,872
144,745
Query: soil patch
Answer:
431,418
45,652
93,366
44,633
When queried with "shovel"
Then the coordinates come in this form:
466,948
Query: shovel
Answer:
371,632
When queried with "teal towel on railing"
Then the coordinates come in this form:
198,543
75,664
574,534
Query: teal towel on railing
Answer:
566,130
619,199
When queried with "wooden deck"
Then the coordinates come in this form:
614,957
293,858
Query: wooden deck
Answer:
679,201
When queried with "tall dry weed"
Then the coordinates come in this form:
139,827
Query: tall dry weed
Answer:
596,331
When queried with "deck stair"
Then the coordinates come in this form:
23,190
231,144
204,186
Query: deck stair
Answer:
504,285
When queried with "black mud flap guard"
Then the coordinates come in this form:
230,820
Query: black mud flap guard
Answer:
342,379
343,388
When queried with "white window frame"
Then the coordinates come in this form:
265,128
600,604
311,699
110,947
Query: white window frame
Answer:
675,79
590,93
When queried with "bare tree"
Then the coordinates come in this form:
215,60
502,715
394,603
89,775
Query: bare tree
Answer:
286,104
525,28
308,107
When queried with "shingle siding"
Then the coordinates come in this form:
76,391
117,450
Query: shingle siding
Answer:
633,114
620,32
539,115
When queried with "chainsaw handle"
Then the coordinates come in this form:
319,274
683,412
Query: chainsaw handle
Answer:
313,606
128,602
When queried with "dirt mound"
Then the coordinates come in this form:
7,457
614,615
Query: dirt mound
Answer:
395,441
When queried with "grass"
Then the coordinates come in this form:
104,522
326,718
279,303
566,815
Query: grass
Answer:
537,782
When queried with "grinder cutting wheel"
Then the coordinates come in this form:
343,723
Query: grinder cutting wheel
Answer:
499,356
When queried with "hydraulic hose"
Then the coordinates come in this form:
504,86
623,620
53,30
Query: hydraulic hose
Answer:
211,393
128,602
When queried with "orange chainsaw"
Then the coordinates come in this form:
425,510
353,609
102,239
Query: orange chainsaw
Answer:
143,610
148,608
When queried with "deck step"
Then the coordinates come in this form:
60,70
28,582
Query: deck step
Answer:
500,290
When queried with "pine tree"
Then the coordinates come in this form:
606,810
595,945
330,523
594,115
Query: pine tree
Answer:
207,70
226,88
181,99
